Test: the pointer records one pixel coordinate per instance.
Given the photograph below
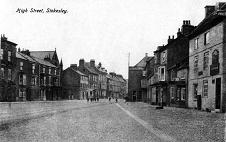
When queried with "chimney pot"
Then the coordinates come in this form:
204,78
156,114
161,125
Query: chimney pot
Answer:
146,54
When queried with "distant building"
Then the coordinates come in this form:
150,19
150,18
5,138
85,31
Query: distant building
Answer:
88,69
136,74
75,83
207,57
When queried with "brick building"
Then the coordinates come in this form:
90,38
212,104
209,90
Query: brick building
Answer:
88,69
75,83
177,66
8,64
207,57
135,90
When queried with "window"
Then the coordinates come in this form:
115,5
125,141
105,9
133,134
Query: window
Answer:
55,72
9,56
44,83
21,65
206,38
33,80
195,90
205,88
163,57
43,70
215,57
24,80
183,94
1,54
49,80
49,70
9,74
144,73
2,72
173,75
33,68
172,93
196,59
163,74
196,44
206,61
20,79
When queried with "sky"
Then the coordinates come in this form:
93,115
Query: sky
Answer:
104,30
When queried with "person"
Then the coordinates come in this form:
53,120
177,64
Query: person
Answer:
116,99
87,99
109,99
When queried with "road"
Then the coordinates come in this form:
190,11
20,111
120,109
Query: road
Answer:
79,121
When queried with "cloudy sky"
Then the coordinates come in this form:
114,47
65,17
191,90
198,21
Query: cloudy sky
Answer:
104,30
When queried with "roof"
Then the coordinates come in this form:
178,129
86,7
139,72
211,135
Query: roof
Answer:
27,57
142,63
89,68
77,71
43,62
18,55
42,54
209,22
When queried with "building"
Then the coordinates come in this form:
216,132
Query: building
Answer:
75,83
102,81
50,73
149,72
8,64
177,66
87,68
135,90
207,57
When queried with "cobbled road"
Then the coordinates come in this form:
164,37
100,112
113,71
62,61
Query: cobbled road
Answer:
81,121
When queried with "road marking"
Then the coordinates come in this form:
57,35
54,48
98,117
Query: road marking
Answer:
159,134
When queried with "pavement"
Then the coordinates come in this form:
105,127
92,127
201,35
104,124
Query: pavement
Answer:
77,120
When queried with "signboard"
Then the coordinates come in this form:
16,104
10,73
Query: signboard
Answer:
214,69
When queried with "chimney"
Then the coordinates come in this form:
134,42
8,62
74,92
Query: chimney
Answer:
74,66
170,39
187,28
26,52
146,54
19,49
179,32
209,9
99,65
81,62
92,63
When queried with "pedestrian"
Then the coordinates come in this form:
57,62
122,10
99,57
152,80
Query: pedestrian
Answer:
109,99
98,99
87,99
116,99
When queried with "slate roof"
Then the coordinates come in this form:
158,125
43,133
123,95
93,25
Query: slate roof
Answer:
18,55
42,54
142,63
210,21
89,68
77,71
27,57
43,62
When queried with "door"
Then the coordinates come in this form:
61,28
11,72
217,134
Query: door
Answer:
218,93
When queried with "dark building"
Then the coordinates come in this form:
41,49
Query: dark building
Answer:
8,64
75,83
88,69
136,74
177,66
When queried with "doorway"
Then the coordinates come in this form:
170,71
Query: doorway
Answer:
218,93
